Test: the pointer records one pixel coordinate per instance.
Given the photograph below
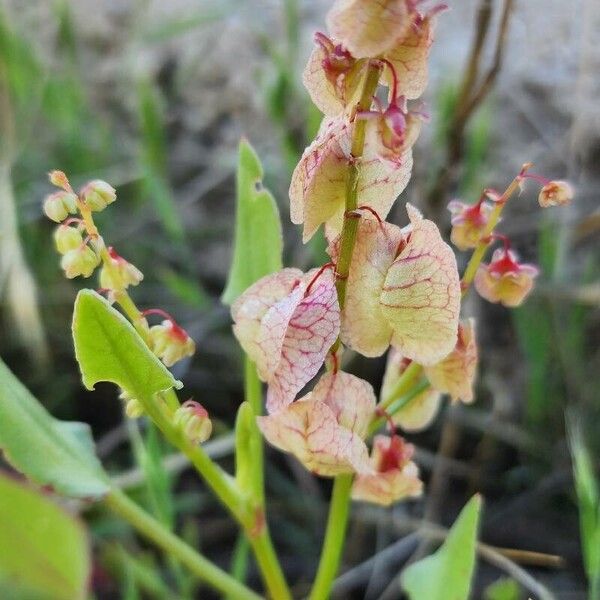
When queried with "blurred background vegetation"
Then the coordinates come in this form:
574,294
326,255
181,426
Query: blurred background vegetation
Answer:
153,97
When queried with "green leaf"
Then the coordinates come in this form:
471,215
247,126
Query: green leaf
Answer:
48,451
108,348
447,574
258,239
45,551
503,589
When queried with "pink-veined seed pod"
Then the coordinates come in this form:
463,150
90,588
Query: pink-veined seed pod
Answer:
504,280
351,399
421,294
421,411
310,431
395,478
409,59
369,28
332,76
318,186
286,322
455,374
261,315
364,327
312,330
556,193
468,223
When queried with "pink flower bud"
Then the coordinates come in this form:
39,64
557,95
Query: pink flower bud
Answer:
80,261
59,205
193,420
98,195
67,238
468,223
505,280
120,274
556,193
170,342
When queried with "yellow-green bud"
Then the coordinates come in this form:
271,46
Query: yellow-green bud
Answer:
98,194
59,205
121,273
81,261
170,342
193,420
133,407
67,238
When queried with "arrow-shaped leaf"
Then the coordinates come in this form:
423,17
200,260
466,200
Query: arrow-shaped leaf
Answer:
447,574
108,348
258,241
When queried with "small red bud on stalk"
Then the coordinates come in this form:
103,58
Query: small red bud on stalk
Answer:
119,274
469,222
169,341
193,420
505,280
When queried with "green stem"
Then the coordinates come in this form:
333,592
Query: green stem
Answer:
403,384
339,509
269,566
157,533
253,395
350,226
334,537
259,536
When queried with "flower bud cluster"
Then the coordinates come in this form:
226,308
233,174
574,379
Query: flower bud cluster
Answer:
504,280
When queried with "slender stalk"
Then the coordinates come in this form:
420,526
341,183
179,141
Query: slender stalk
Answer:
398,403
157,533
337,520
404,383
334,538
